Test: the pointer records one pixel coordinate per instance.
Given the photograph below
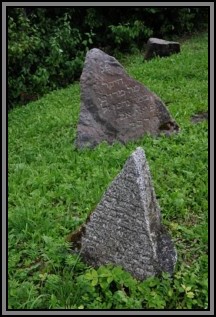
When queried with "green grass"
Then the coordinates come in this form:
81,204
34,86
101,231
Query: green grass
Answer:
53,188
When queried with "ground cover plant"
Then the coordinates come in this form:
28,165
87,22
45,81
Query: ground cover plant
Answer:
52,188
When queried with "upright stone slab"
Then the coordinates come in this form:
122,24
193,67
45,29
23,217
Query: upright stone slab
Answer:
125,228
162,48
115,107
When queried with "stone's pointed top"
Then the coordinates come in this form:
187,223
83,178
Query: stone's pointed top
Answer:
125,228
138,156
99,56
139,160
94,51
139,153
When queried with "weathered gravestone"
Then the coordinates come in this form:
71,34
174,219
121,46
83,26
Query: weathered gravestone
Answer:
162,48
125,228
115,107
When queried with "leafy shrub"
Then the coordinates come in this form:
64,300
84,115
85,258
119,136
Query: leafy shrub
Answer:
110,287
128,35
42,55
47,46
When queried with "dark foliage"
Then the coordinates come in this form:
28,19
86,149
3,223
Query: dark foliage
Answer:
47,46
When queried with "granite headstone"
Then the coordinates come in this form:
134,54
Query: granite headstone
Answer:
114,106
125,228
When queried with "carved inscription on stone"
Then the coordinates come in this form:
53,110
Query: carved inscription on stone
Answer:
112,104
125,228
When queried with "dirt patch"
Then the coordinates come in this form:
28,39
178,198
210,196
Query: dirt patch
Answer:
199,117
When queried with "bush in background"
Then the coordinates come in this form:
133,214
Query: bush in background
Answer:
47,46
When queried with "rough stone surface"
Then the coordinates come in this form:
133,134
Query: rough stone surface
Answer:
115,107
162,48
125,228
199,117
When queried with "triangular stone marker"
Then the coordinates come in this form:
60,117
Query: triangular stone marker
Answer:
125,228
115,107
